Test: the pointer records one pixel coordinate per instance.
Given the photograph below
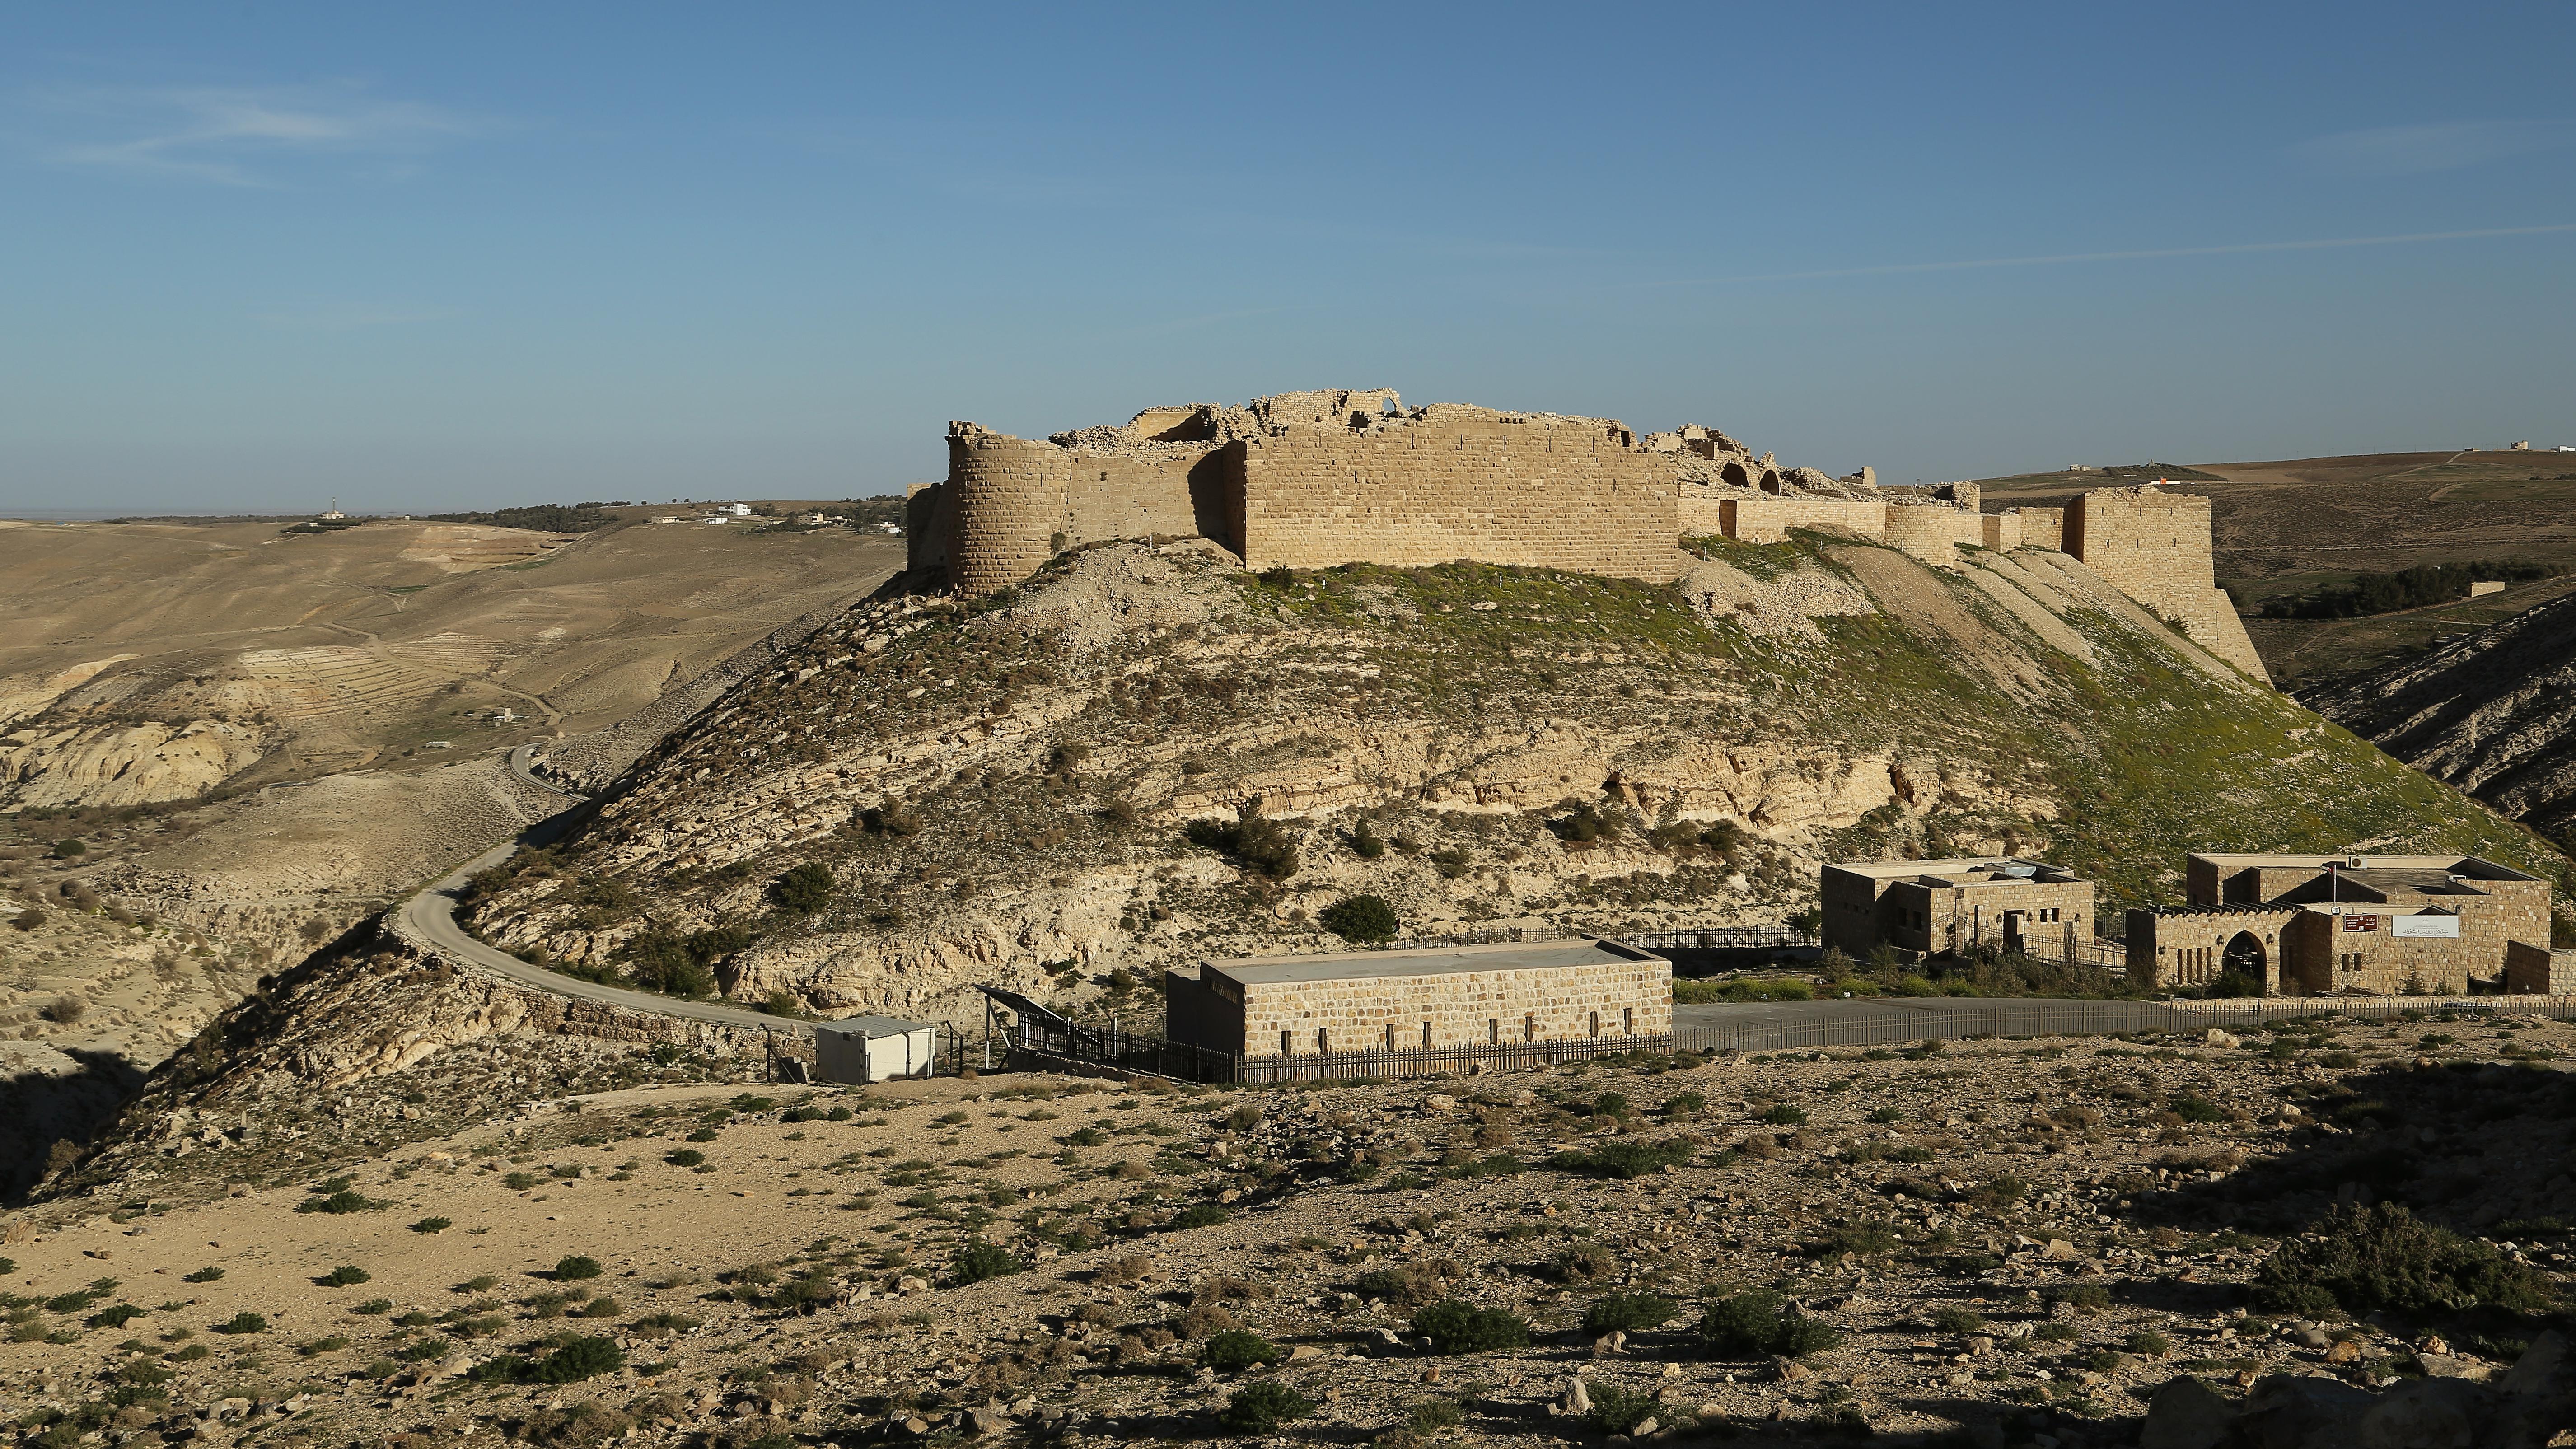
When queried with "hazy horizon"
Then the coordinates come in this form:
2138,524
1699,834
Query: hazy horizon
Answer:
433,262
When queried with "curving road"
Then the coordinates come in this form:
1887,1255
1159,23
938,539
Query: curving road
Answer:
430,918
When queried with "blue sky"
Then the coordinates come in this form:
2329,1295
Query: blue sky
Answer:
253,255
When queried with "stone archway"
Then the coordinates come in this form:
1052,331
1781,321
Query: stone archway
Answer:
2246,957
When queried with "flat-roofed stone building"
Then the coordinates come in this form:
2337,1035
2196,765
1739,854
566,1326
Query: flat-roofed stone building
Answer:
1449,996
2308,925
1937,906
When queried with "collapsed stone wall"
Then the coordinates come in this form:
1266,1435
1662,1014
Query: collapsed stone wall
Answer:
1762,518
2156,547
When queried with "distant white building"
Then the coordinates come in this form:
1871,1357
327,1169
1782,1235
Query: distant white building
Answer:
738,510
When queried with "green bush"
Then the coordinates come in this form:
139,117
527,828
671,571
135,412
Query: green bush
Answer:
1785,1114
1627,1313
342,1201
1685,1105
243,1322
2197,1109
577,1359
1261,1407
1760,1322
1430,1416
1617,1410
685,1157
374,1305
115,1315
432,1225
1951,1318
1255,841
804,889
1235,1350
347,1275
576,1268
979,1260
1201,1215
207,1274
2360,1260
1366,919
1624,1158
2085,1297
1457,1326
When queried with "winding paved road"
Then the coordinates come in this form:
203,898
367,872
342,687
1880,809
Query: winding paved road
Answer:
430,918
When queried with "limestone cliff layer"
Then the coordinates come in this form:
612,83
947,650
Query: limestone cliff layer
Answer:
1142,756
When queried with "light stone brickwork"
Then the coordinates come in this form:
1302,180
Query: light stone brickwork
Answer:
1314,479
1768,519
1461,483
2308,930
1936,906
1933,532
1501,995
2042,528
2155,547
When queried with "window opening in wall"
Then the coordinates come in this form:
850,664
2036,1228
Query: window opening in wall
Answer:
1390,1036
1529,1027
1386,407
1494,1031
1426,1033
1323,1039
1628,1020
1596,1023
1287,1044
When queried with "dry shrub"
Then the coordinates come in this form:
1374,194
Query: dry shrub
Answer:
1096,1315
1123,1270
1222,1289
1207,1318
1761,1145
1581,1264
1495,1134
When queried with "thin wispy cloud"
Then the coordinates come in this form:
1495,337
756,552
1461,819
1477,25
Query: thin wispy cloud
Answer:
2440,146
233,136
2057,259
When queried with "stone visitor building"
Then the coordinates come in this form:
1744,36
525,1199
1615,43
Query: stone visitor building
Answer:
1587,992
1314,479
1936,907
2309,925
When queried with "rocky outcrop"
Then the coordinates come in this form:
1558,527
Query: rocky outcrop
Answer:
2493,714
373,1043
115,765
1038,789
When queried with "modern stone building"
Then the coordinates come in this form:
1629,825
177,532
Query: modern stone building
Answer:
1936,906
2308,925
1453,996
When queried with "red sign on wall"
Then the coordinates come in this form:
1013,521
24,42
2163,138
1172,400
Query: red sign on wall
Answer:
2361,923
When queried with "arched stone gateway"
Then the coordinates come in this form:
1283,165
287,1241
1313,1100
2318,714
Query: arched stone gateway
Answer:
2245,957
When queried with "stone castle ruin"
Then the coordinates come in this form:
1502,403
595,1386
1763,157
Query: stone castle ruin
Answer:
1314,479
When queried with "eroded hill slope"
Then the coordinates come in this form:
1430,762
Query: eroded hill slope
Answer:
1008,792
2494,714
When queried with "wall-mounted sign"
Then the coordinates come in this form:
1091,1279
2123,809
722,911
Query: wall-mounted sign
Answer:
2361,923
2439,928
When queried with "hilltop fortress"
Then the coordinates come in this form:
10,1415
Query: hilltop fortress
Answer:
1314,479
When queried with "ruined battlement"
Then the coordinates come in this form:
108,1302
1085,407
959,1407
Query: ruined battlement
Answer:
1352,475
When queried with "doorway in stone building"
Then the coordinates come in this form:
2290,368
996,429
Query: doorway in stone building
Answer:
2245,957
2013,941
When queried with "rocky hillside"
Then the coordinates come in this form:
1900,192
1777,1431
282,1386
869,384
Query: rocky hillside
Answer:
1139,757
2494,714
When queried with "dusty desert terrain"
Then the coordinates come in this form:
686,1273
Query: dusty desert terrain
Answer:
2007,1239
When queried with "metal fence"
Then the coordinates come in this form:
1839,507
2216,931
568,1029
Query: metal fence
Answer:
1107,1049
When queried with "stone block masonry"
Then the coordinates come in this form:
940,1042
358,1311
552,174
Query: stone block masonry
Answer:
1316,479
1471,996
2154,546
1461,483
